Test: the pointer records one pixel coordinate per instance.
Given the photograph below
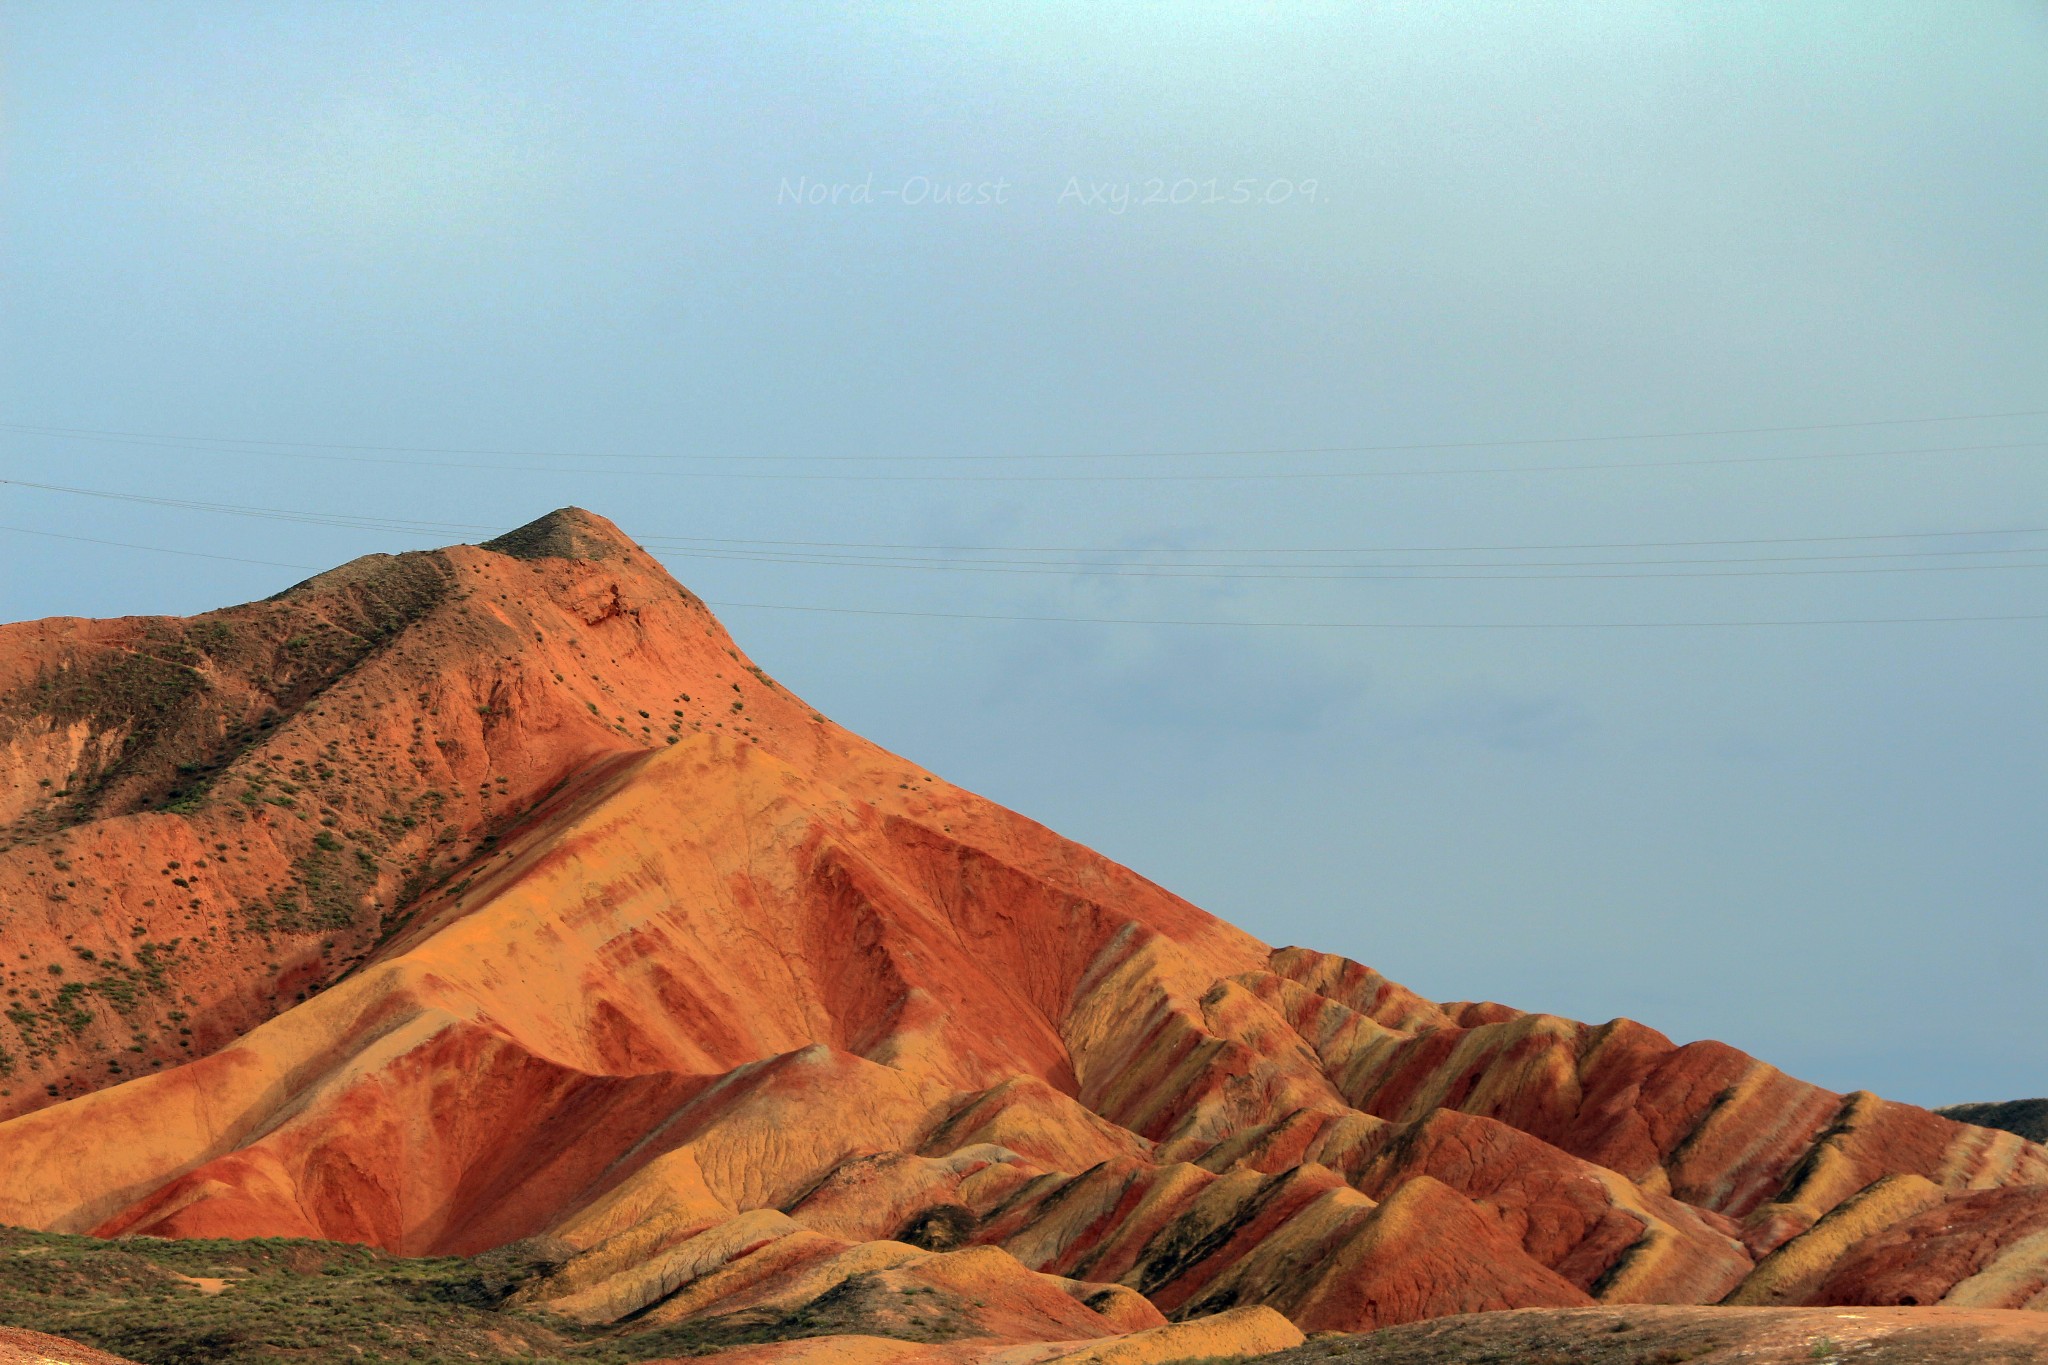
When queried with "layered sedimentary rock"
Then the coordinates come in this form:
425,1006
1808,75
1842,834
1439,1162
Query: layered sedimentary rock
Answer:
460,897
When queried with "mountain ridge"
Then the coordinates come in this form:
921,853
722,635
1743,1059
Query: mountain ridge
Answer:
512,900
2028,1118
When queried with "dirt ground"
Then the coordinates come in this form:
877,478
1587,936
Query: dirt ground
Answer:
1696,1336
18,1347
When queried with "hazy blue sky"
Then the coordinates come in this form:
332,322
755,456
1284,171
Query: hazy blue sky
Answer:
567,228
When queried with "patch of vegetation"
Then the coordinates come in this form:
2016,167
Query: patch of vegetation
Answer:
44,1024
159,731
280,1301
328,883
128,698
268,1301
67,1010
2028,1118
865,1305
941,1227
29,1025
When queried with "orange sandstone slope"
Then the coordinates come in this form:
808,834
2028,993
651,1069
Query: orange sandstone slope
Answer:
457,897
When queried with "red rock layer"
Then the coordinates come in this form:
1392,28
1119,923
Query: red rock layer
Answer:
604,935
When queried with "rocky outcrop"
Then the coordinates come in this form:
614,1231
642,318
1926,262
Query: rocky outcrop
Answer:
513,901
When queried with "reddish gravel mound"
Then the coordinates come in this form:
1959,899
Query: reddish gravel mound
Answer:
458,897
1697,1336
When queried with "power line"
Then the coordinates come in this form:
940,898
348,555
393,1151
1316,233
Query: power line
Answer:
160,549
1296,475
95,433
1405,576
391,525
410,527
1167,621
1395,625
1385,549
1257,569
1114,571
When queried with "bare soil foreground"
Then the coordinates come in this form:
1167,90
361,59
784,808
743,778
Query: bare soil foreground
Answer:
1645,1335
1663,1335
35,1348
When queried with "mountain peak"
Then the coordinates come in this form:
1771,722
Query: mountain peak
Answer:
565,533
722,985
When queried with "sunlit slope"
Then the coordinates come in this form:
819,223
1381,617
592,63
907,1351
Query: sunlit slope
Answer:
203,820
754,1014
